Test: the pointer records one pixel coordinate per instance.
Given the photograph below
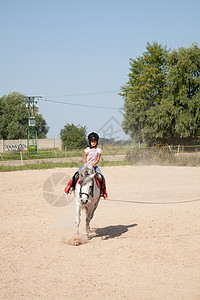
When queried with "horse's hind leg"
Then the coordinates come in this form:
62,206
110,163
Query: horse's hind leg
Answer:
95,206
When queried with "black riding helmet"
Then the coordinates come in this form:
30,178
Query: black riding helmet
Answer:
93,136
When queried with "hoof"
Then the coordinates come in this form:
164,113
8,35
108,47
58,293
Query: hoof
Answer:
77,242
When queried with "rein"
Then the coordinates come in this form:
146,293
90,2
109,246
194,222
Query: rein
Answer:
91,192
83,194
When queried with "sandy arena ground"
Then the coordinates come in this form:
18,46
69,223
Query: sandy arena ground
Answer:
146,246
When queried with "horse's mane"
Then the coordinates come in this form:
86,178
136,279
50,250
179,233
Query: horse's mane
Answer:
86,170
84,180
84,173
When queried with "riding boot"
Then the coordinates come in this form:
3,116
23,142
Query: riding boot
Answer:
68,187
104,192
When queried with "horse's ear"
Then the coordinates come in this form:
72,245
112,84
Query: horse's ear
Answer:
92,176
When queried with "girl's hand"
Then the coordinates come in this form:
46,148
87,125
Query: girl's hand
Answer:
85,158
97,160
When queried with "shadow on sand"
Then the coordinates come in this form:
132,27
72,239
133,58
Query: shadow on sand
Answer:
111,232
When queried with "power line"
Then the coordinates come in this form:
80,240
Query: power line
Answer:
86,94
78,104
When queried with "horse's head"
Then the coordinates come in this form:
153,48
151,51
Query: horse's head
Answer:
86,187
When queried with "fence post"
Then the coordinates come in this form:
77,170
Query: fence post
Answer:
21,158
178,150
65,151
2,150
131,147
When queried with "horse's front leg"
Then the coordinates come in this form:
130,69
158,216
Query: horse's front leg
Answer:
88,219
78,217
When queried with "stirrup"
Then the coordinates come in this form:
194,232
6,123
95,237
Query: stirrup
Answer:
105,195
68,189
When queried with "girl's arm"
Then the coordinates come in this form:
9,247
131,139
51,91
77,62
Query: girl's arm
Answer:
97,160
84,158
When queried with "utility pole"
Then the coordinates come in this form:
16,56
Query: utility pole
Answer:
32,109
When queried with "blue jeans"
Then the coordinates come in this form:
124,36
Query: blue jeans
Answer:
97,170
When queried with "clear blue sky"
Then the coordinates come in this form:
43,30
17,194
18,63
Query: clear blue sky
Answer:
77,51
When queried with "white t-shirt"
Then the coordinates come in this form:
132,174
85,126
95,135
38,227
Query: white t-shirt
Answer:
92,155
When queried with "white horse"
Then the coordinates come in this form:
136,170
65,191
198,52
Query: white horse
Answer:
87,194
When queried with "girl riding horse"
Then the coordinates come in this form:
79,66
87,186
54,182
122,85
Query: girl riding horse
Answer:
92,156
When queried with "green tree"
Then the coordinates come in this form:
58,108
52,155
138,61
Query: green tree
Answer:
183,79
73,137
161,98
144,91
14,118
